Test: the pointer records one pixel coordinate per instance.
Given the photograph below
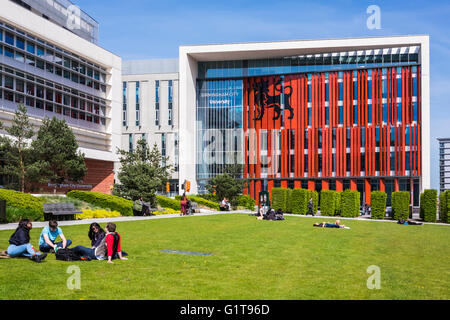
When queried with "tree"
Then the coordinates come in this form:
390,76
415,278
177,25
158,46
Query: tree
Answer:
16,150
56,155
225,186
143,172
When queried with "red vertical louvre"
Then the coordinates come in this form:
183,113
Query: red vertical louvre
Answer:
419,95
322,98
270,187
278,91
352,152
310,153
419,149
404,120
299,109
394,102
388,155
267,121
258,188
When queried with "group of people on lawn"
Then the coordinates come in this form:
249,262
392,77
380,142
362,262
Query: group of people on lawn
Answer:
105,245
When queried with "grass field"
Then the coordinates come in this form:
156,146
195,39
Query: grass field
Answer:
281,260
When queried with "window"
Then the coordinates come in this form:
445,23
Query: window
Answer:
9,53
40,51
20,57
138,113
124,107
30,89
20,43
9,82
130,143
20,86
40,64
9,38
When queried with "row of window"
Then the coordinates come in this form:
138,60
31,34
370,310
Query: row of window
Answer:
49,60
35,92
305,63
138,103
51,107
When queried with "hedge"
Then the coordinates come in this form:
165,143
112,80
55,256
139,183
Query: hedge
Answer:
166,202
429,205
421,213
205,203
350,203
279,199
105,201
338,203
443,206
247,202
378,204
328,203
298,201
400,205
30,207
288,200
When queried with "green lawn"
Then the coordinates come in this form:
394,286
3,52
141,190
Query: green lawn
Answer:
252,259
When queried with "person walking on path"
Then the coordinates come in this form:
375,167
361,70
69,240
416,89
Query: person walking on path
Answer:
310,207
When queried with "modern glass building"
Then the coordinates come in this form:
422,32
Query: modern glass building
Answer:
325,114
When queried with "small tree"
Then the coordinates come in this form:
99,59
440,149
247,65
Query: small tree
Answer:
378,199
225,186
56,154
142,173
16,151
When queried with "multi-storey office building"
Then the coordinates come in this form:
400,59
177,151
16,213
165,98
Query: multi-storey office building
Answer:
444,164
322,114
50,68
150,108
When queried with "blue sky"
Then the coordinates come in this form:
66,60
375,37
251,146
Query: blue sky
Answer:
140,29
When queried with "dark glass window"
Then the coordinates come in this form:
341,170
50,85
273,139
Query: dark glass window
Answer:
20,43
9,52
9,38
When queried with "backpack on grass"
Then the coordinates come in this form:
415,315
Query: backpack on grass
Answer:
69,255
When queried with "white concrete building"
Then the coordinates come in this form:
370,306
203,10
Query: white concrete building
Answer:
48,66
150,108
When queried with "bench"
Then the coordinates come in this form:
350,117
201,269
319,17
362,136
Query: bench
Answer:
60,211
137,208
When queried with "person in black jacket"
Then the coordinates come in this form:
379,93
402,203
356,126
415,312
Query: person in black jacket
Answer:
19,243
310,207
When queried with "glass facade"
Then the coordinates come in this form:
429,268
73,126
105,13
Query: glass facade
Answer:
219,127
304,64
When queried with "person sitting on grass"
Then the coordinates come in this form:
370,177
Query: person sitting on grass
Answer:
336,224
113,246
97,236
19,243
48,238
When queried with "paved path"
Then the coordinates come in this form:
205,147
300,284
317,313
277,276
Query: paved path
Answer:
203,212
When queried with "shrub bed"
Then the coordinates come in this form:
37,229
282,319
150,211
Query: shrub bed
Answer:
429,205
350,203
247,202
378,204
328,203
400,205
279,199
105,201
102,213
206,203
166,202
22,205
